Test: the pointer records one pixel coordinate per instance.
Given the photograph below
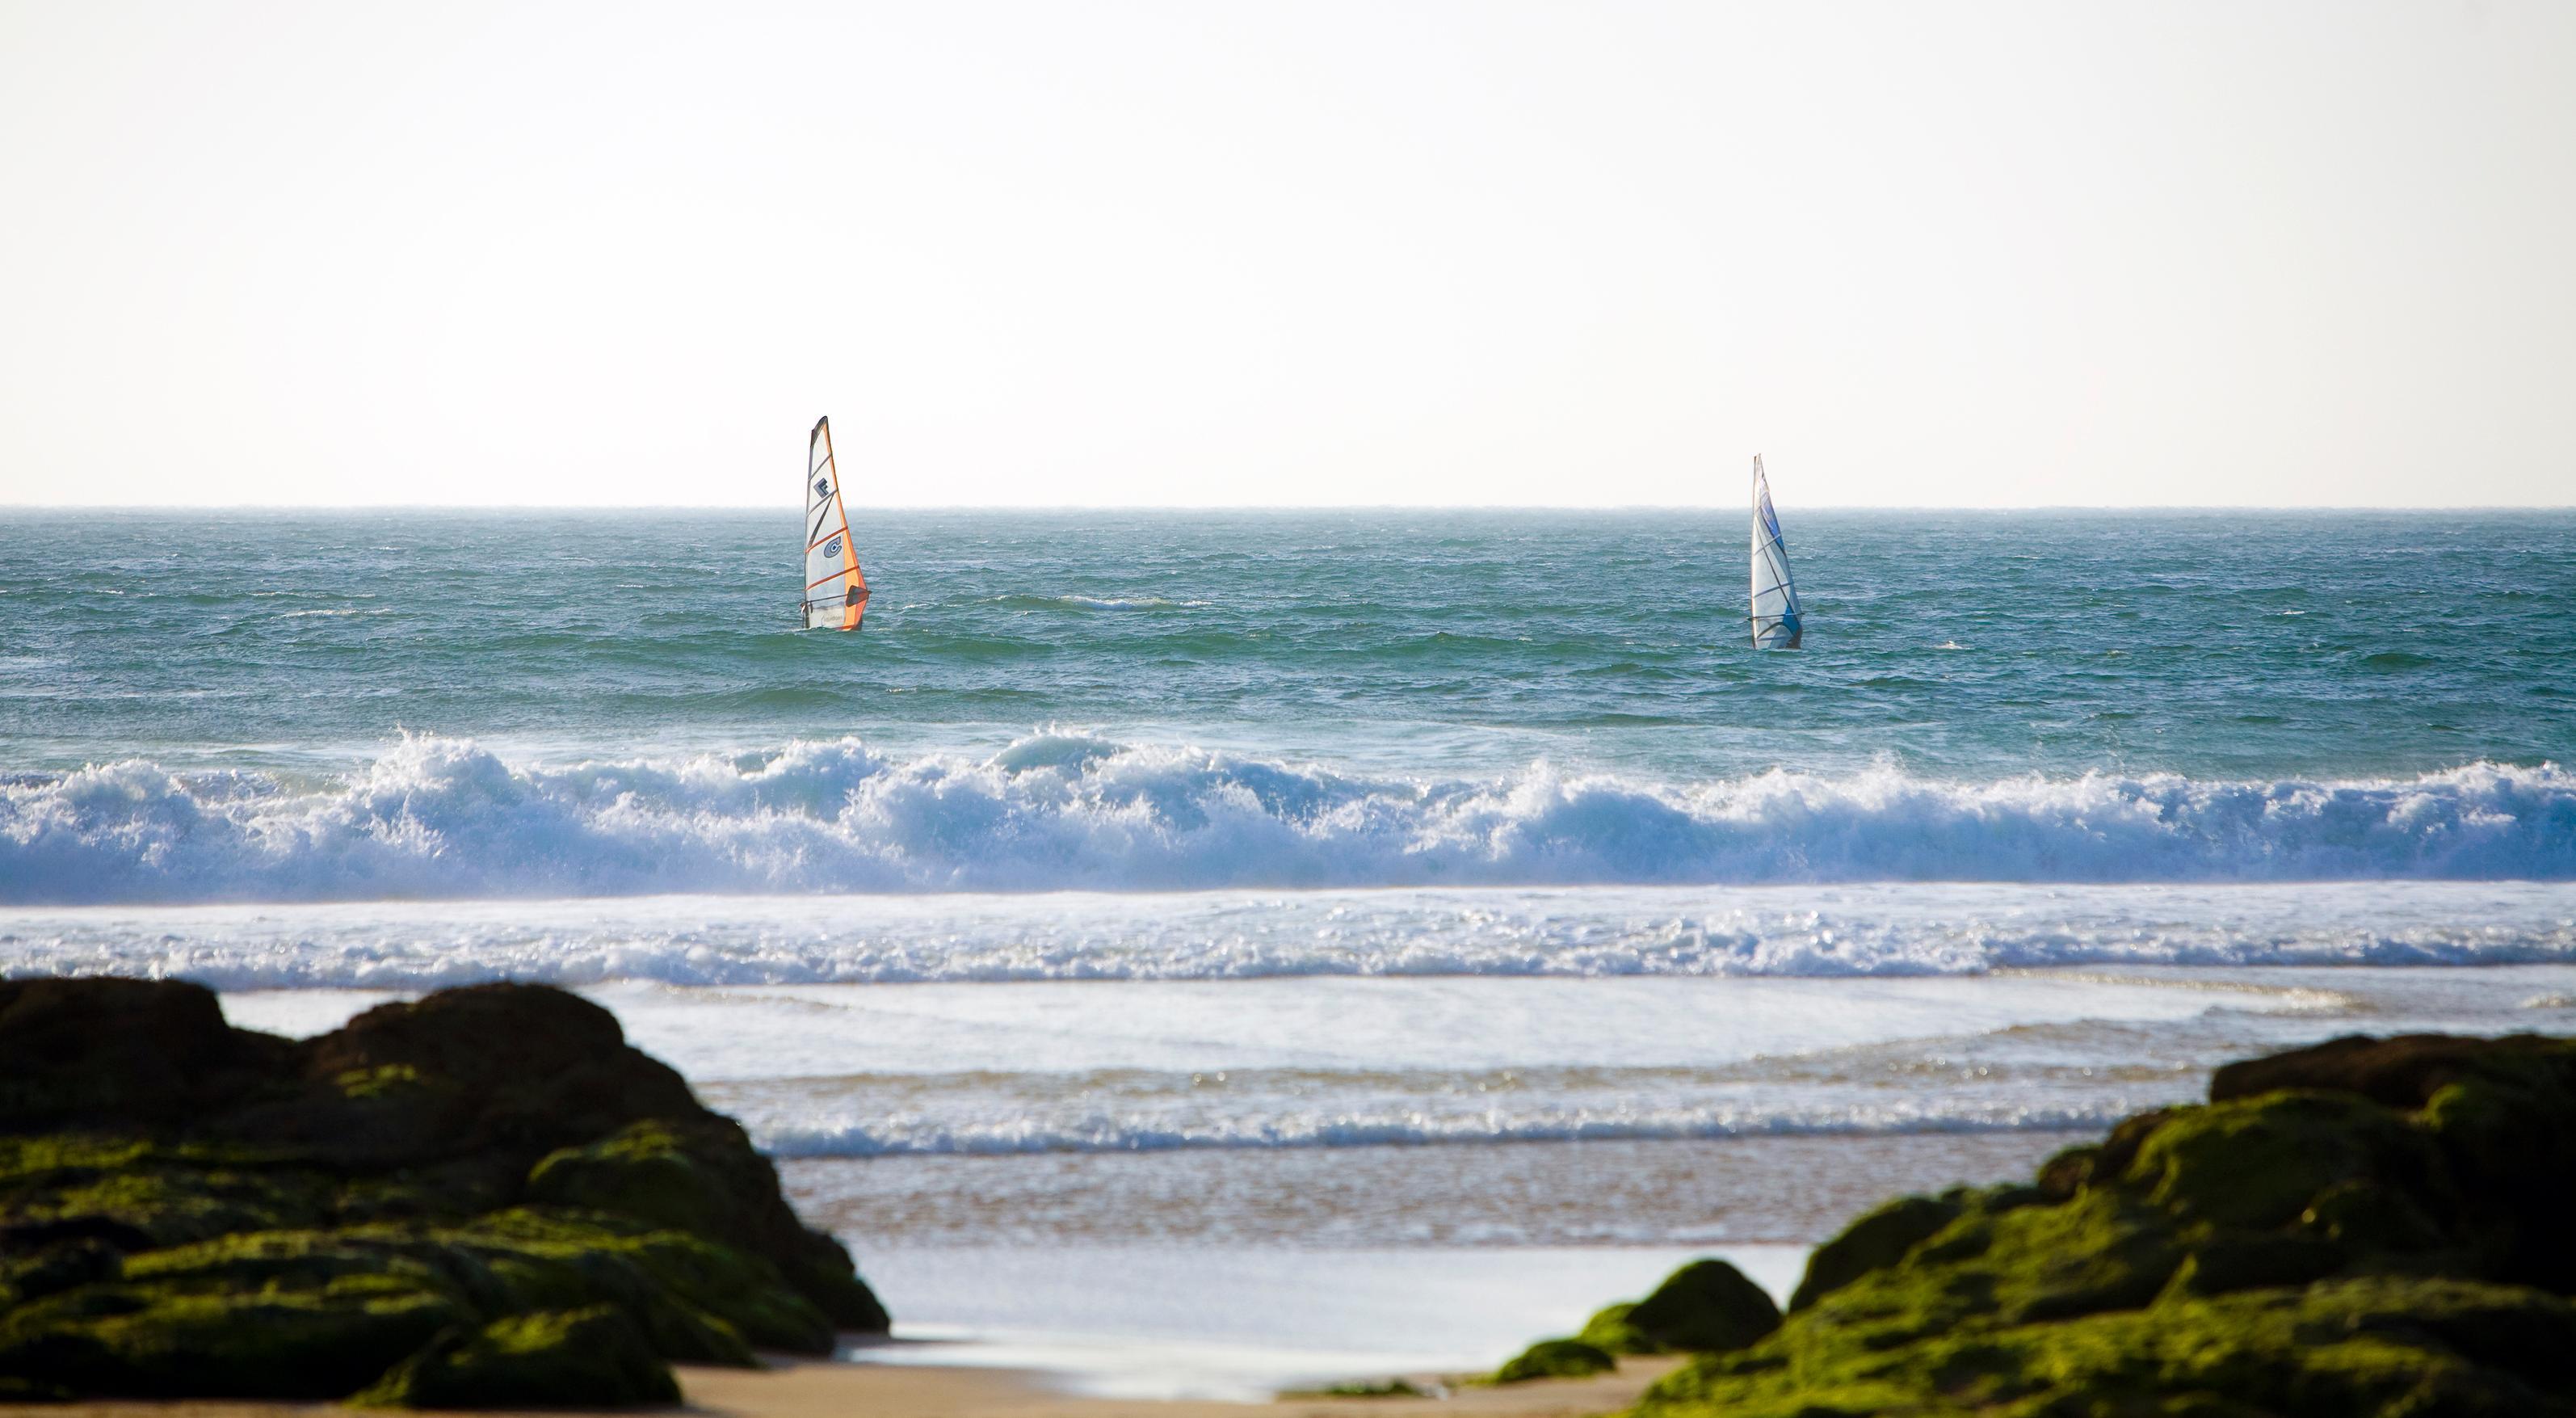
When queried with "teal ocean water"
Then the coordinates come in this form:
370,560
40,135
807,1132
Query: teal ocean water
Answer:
237,707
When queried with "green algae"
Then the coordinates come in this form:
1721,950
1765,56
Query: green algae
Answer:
1555,1359
381,1081
1875,1241
2384,1230
151,1341
589,1358
1705,1306
2367,1346
706,1180
1365,1388
1609,1331
402,1210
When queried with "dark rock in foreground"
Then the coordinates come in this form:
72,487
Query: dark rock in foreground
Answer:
484,1198
1555,1359
1705,1307
2371,1226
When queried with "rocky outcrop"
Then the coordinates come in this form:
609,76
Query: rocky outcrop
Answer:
482,1198
1705,1307
2371,1226
1554,1359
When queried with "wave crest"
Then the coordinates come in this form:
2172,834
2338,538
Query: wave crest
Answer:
445,818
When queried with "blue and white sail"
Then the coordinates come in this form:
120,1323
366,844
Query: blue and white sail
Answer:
1776,622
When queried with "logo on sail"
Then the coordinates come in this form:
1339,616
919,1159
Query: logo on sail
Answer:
832,549
823,487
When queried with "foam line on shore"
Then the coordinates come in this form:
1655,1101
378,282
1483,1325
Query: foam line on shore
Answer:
899,1137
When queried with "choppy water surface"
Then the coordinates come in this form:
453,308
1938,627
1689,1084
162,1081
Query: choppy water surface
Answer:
214,706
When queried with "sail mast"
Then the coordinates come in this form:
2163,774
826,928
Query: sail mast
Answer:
836,591
1776,621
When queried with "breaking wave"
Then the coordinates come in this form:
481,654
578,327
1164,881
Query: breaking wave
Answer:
444,818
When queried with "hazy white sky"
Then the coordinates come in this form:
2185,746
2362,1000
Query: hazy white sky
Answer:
1292,253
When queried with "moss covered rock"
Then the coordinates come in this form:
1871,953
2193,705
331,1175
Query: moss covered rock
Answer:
178,1340
2380,1345
1874,1242
449,1196
1705,1307
1555,1359
2370,1227
703,1177
593,1358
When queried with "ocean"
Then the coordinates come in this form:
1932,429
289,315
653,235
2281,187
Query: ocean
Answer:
1153,915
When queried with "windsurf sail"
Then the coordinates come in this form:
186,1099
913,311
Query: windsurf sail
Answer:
836,592
1776,623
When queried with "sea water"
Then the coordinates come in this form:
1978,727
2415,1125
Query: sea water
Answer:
1229,930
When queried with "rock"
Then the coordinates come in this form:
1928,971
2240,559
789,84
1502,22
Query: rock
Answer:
1705,1307
140,1053
192,1210
2258,1162
1874,1242
2371,1227
1554,1359
2402,1073
705,1178
2381,1346
1609,1331
145,1340
593,1358
2236,1262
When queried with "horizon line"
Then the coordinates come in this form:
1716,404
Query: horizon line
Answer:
1280,507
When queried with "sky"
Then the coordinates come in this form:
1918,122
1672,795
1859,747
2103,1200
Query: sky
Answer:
1222,253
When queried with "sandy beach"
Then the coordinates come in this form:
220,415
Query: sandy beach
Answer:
816,1389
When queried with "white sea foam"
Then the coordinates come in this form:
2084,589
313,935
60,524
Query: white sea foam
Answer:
1596,932
444,818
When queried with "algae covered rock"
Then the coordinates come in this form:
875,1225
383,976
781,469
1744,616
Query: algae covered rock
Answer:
2380,1345
704,1178
483,1197
1874,1242
1609,1331
148,1340
1705,1307
593,1358
1554,1359
146,1052
2368,1227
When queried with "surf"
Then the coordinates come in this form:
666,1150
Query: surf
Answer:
441,818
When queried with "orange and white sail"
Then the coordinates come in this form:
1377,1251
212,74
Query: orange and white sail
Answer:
836,592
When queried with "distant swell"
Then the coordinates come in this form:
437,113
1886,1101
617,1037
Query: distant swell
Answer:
443,818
